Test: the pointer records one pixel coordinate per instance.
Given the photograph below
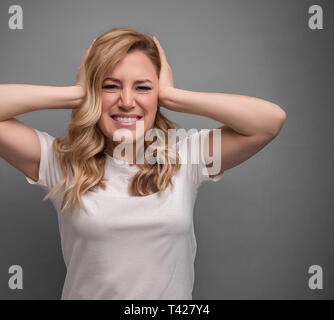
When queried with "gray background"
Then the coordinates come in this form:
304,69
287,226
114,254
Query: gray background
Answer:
269,219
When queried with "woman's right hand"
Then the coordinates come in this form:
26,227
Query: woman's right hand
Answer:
80,79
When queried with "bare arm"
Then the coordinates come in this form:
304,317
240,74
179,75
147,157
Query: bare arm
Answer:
19,144
16,99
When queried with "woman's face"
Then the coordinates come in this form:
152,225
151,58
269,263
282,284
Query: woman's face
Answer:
124,95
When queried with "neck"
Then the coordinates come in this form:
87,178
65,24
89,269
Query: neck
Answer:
127,152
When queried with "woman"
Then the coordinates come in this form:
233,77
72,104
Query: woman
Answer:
126,225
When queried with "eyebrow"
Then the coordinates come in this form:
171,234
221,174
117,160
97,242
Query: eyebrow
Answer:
119,81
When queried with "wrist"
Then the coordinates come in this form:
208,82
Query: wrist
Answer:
166,98
78,94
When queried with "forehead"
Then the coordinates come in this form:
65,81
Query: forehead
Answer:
133,65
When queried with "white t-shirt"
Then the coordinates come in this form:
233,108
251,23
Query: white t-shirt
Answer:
121,247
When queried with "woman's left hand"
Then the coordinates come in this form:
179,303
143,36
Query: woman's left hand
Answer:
166,81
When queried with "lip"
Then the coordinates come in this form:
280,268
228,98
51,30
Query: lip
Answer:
125,124
126,115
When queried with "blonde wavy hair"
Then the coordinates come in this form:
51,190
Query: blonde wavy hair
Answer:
81,152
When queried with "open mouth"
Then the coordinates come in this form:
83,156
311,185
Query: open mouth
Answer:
126,121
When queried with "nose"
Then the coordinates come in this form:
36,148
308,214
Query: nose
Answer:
126,98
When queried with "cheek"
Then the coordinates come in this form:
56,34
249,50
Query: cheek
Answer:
107,100
150,118
148,102
145,99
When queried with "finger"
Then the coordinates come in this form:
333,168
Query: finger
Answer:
90,46
161,50
159,45
87,51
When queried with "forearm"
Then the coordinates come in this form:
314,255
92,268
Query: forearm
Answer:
244,114
16,99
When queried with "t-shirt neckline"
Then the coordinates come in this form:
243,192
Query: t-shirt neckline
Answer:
119,162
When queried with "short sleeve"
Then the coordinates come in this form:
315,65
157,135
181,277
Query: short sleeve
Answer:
192,148
49,169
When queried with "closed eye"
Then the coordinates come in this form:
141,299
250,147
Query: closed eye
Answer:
112,86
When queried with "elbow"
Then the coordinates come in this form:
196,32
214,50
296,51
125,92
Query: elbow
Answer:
277,122
281,118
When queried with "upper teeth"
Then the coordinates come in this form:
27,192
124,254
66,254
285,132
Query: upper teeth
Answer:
125,119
